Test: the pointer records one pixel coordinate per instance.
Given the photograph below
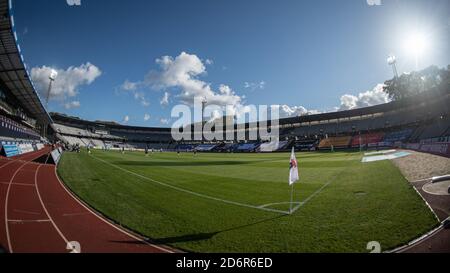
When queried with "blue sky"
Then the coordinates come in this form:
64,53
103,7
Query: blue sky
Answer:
301,54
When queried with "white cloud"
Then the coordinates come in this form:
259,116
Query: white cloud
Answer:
129,86
369,98
295,111
182,72
255,85
146,117
373,2
225,90
165,99
209,62
68,81
164,121
140,96
126,119
72,105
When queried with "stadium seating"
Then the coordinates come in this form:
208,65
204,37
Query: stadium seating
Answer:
395,136
205,147
12,129
185,147
225,147
378,126
272,146
367,139
336,142
246,147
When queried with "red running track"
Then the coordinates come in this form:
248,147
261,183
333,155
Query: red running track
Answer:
39,215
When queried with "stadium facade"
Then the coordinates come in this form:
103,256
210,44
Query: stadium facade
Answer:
420,119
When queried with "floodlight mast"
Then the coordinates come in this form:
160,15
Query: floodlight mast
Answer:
204,102
392,61
52,78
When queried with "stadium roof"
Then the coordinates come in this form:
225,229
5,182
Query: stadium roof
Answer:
13,71
58,117
438,98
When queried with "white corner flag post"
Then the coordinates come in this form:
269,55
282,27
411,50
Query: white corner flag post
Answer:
293,176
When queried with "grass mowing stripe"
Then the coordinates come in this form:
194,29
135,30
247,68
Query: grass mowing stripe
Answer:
365,202
192,192
215,185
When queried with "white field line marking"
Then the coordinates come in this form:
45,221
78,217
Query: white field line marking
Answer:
294,209
6,207
280,203
316,193
192,192
45,208
319,190
106,221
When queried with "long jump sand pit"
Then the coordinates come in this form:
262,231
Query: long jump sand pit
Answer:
419,166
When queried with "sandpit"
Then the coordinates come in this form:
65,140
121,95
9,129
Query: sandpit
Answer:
419,166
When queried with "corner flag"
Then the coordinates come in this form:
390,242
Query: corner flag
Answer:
293,169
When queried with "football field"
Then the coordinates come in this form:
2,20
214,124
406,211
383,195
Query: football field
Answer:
225,202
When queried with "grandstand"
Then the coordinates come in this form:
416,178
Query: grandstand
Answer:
364,140
23,119
335,142
72,131
273,146
424,117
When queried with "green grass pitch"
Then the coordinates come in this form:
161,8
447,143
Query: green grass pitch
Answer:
217,202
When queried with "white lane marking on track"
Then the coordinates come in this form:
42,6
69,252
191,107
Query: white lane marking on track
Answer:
29,221
106,221
193,192
17,184
422,239
6,207
45,208
23,185
75,214
26,212
10,162
19,161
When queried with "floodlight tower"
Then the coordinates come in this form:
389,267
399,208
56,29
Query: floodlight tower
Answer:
392,61
204,102
52,78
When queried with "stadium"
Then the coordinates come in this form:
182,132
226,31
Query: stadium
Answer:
371,176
